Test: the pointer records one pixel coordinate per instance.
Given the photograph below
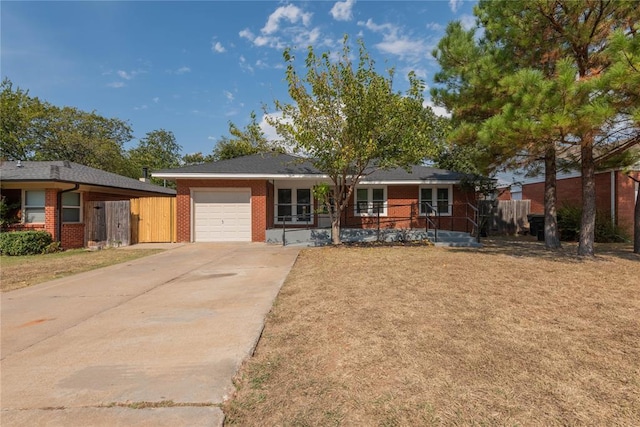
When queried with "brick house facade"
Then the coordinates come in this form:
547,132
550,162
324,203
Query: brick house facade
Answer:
52,179
615,195
275,191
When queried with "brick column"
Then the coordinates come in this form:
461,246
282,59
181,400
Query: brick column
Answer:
50,211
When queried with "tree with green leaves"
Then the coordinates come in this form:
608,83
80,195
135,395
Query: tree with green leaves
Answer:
347,119
157,150
19,113
551,59
36,130
470,87
87,138
243,142
624,77
196,159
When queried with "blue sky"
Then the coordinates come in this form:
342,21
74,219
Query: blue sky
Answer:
191,67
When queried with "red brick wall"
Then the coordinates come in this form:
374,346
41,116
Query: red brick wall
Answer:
504,194
400,213
258,204
570,193
625,200
50,211
72,236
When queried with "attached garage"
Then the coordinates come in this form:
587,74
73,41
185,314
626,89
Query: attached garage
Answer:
221,215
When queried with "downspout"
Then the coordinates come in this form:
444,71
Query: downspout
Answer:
613,198
59,206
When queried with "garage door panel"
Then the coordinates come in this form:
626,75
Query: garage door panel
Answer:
222,215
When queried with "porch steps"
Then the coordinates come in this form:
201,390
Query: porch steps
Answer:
458,239
322,236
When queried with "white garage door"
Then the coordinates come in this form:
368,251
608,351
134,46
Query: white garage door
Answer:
222,215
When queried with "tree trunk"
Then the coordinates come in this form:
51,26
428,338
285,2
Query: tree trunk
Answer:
335,230
636,225
551,232
588,223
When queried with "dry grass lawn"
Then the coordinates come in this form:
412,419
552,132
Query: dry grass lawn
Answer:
21,271
510,334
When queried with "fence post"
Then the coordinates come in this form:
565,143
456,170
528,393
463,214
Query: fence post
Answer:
284,230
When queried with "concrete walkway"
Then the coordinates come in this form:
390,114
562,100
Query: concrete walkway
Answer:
151,342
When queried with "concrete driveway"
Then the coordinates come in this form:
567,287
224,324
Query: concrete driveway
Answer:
151,342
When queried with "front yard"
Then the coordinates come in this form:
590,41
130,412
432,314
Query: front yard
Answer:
400,336
21,271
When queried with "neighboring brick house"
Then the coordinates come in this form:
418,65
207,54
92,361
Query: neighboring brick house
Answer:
239,199
53,195
616,194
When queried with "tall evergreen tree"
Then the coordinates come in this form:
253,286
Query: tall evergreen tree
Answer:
553,61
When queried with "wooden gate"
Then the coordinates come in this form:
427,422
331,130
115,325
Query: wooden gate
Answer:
153,220
505,216
107,223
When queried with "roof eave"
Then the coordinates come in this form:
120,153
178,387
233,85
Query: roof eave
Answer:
412,182
236,176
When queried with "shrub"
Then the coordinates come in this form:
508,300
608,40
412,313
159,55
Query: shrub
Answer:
24,242
8,212
570,218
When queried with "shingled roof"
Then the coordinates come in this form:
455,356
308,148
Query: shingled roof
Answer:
278,165
73,173
255,164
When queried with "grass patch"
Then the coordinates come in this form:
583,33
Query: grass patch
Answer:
21,271
510,334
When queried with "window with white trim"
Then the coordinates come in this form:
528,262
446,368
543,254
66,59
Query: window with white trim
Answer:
434,198
71,207
371,201
294,205
33,207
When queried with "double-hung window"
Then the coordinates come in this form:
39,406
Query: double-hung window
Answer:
71,203
435,199
371,201
33,207
294,205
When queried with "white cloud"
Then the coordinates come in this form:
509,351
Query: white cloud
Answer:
468,21
291,13
454,5
438,111
211,138
246,34
306,38
342,10
116,85
268,130
434,26
125,75
228,95
275,34
396,43
156,99
218,47
245,65
183,70
142,107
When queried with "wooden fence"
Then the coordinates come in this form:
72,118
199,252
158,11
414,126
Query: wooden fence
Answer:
107,223
153,220
506,216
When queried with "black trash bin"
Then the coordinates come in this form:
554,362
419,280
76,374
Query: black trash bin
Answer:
536,225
